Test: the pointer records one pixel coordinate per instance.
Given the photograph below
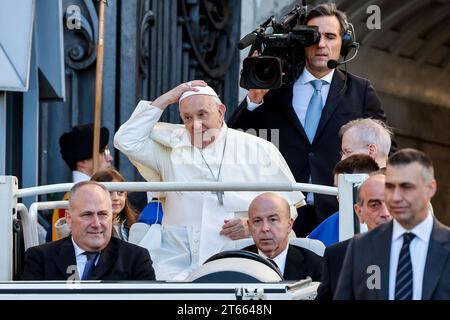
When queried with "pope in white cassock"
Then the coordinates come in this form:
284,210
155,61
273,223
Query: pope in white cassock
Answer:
197,224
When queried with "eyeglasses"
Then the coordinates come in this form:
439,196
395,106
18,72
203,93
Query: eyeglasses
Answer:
348,152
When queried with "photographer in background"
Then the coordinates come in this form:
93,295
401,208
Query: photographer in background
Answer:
310,112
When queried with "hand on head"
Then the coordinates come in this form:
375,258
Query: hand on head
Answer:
173,95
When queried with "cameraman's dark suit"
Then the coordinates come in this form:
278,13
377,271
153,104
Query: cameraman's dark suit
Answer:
345,102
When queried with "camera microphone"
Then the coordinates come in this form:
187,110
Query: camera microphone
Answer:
246,41
332,64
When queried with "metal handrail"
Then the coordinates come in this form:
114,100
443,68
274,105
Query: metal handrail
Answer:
186,186
30,220
30,234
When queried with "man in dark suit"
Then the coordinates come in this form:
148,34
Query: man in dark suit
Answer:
308,140
408,258
371,210
89,251
270,223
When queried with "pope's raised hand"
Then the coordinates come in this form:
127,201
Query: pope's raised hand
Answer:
173,95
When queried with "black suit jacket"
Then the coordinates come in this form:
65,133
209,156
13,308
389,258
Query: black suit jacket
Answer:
373,249
300,263
347,100
333,259
118,261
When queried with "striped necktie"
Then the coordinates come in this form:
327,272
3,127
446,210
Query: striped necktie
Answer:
404,279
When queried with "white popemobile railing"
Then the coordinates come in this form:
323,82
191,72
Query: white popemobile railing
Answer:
9,195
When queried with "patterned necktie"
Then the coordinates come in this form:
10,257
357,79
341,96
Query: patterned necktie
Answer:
314,110
404,279
91,257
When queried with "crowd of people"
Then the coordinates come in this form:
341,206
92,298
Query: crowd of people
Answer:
329,122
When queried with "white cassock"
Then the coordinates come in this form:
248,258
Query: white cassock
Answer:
192,221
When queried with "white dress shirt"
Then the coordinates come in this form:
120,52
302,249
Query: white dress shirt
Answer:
78,176
280,259
418,249
81,258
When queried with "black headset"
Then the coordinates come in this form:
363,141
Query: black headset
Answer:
348,41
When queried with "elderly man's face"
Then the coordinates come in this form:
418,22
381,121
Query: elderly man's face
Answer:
90,218
408,193
352,144
203,118
372,209
270,223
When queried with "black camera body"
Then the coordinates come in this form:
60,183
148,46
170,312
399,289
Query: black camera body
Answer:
282,51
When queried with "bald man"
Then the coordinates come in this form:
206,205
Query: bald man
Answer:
270,224
370,207
371,210
196,225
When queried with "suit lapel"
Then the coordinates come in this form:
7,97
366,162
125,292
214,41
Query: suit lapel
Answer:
286,96
66,257
438,251
380,253
294,268
107,259
251,248
334,96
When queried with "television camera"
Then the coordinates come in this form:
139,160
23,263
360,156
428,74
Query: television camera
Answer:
281,45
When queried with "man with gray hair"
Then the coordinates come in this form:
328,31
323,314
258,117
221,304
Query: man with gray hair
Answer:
197,224
368,136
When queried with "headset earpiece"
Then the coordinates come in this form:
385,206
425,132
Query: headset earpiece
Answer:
347,43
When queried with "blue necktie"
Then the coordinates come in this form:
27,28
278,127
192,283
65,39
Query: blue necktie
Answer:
314,110
404,279
91,257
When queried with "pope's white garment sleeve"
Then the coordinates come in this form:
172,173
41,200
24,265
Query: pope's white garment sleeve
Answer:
133,137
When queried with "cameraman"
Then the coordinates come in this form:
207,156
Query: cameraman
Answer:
310,112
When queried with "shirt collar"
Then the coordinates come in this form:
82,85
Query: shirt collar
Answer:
79,176
422,230
78,250
280,259
307,76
